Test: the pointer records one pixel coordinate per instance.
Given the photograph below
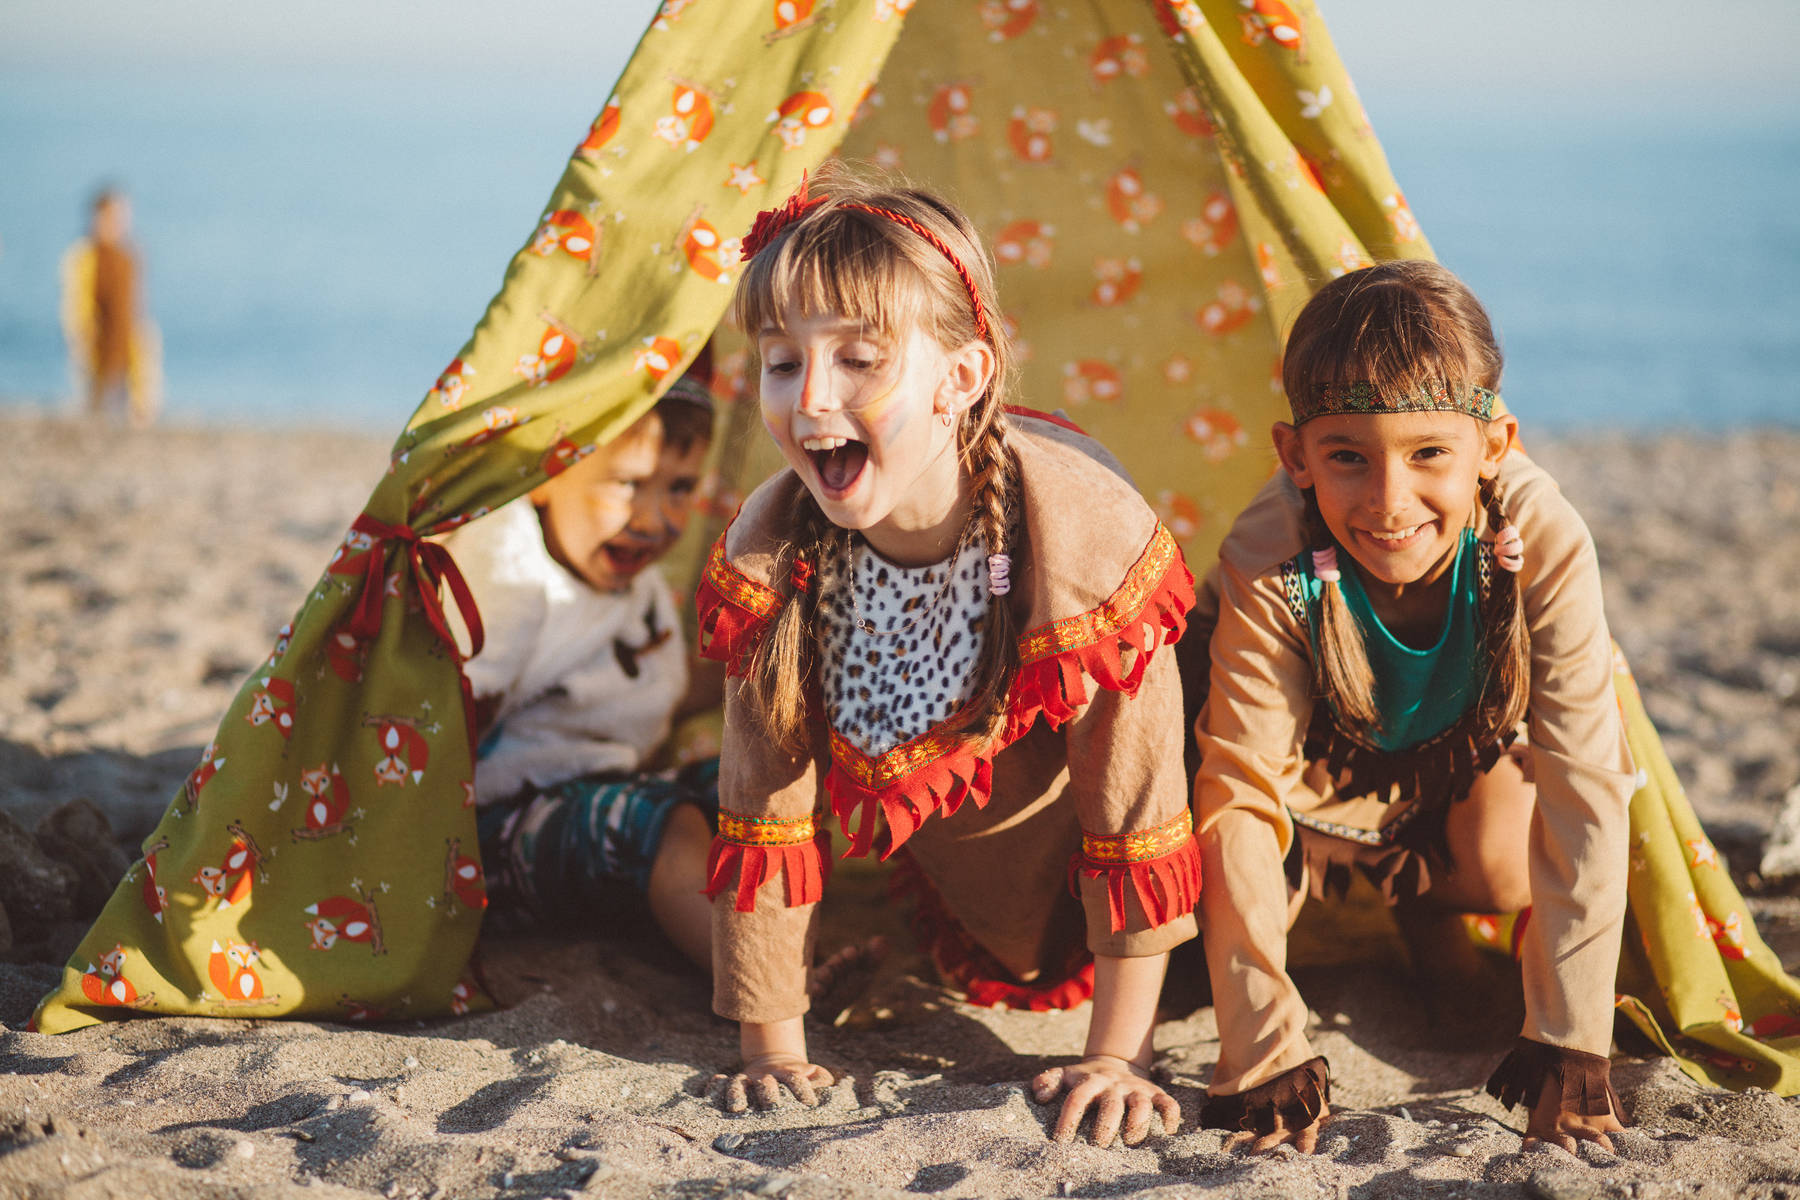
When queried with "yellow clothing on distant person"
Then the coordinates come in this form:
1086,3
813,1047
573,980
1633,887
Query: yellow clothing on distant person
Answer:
113,347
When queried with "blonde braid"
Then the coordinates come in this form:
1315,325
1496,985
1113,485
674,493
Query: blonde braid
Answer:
785,659
989,462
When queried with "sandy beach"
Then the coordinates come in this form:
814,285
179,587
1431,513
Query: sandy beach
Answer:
144,574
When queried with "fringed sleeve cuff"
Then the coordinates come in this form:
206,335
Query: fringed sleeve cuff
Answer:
754,850
1584,1079
1162,865
1292,1100
732,611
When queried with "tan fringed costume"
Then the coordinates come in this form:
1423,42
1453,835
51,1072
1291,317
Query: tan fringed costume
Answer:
1088,788
1255,781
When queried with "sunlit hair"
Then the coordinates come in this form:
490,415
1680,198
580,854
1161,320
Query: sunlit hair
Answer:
867,268
1401,326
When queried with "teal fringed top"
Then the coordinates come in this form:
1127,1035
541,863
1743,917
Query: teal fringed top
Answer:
1419,693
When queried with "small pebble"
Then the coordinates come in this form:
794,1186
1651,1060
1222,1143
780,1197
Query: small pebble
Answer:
1404,1115
392,1189
773,1185
245,1150
506,1180
333,1104
725,1143
409,1061
359,1095
1285,1150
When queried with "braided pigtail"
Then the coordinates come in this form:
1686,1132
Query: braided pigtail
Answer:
1341,671
989,462
1507,690
784,660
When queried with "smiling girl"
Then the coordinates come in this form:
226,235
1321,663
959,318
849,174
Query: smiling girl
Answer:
947,625
1411,674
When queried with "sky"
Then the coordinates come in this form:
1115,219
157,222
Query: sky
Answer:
1668,56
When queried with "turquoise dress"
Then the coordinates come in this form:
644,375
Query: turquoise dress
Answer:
1419,693
1430,747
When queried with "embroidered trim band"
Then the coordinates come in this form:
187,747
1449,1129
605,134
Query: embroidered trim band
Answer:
766,831
1140,845
1363,396
1115,613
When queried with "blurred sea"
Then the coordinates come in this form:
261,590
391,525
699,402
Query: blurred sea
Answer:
318,246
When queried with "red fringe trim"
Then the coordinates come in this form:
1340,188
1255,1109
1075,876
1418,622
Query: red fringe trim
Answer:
805,865
965,964
941,785
1052,686
728,632
1167,886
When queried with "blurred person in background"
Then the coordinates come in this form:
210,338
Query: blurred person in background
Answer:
114,350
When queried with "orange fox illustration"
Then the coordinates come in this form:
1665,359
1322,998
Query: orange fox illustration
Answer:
329,804
273,703
949,113
798,115
601,131
202,774
404,750
347,919
566,230
452,384
463,879
689,121
106,984
229,882
232,969
1007,19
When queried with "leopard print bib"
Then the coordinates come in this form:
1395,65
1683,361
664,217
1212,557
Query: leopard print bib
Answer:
887,687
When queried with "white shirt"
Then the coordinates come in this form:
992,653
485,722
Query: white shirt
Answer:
588,680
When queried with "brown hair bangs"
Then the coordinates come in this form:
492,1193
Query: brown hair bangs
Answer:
1402,326
844,262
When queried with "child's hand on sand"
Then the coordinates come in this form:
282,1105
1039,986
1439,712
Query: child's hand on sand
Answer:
775,1061
1551,1122
766,1078
1117,1090
1305,1139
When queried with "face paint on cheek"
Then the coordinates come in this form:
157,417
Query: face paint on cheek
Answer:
884,415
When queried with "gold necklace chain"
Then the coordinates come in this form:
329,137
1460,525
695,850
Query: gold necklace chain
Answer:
868,627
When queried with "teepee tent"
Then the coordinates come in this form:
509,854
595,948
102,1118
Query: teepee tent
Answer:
1162,181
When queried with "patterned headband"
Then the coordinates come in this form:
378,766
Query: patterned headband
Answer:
771,221
1363,396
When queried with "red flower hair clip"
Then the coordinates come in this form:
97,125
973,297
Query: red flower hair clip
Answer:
771,221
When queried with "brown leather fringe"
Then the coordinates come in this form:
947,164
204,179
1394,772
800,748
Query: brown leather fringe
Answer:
1400,870
1293,1099
1585,1079
1440,770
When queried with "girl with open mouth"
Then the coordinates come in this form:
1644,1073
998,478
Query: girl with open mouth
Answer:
942,608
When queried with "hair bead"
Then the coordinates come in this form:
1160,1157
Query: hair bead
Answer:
999,574
1325,565
1509,549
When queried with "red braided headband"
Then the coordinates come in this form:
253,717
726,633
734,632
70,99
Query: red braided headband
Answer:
771,221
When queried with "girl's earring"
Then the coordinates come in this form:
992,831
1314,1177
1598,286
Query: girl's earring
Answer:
948,419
